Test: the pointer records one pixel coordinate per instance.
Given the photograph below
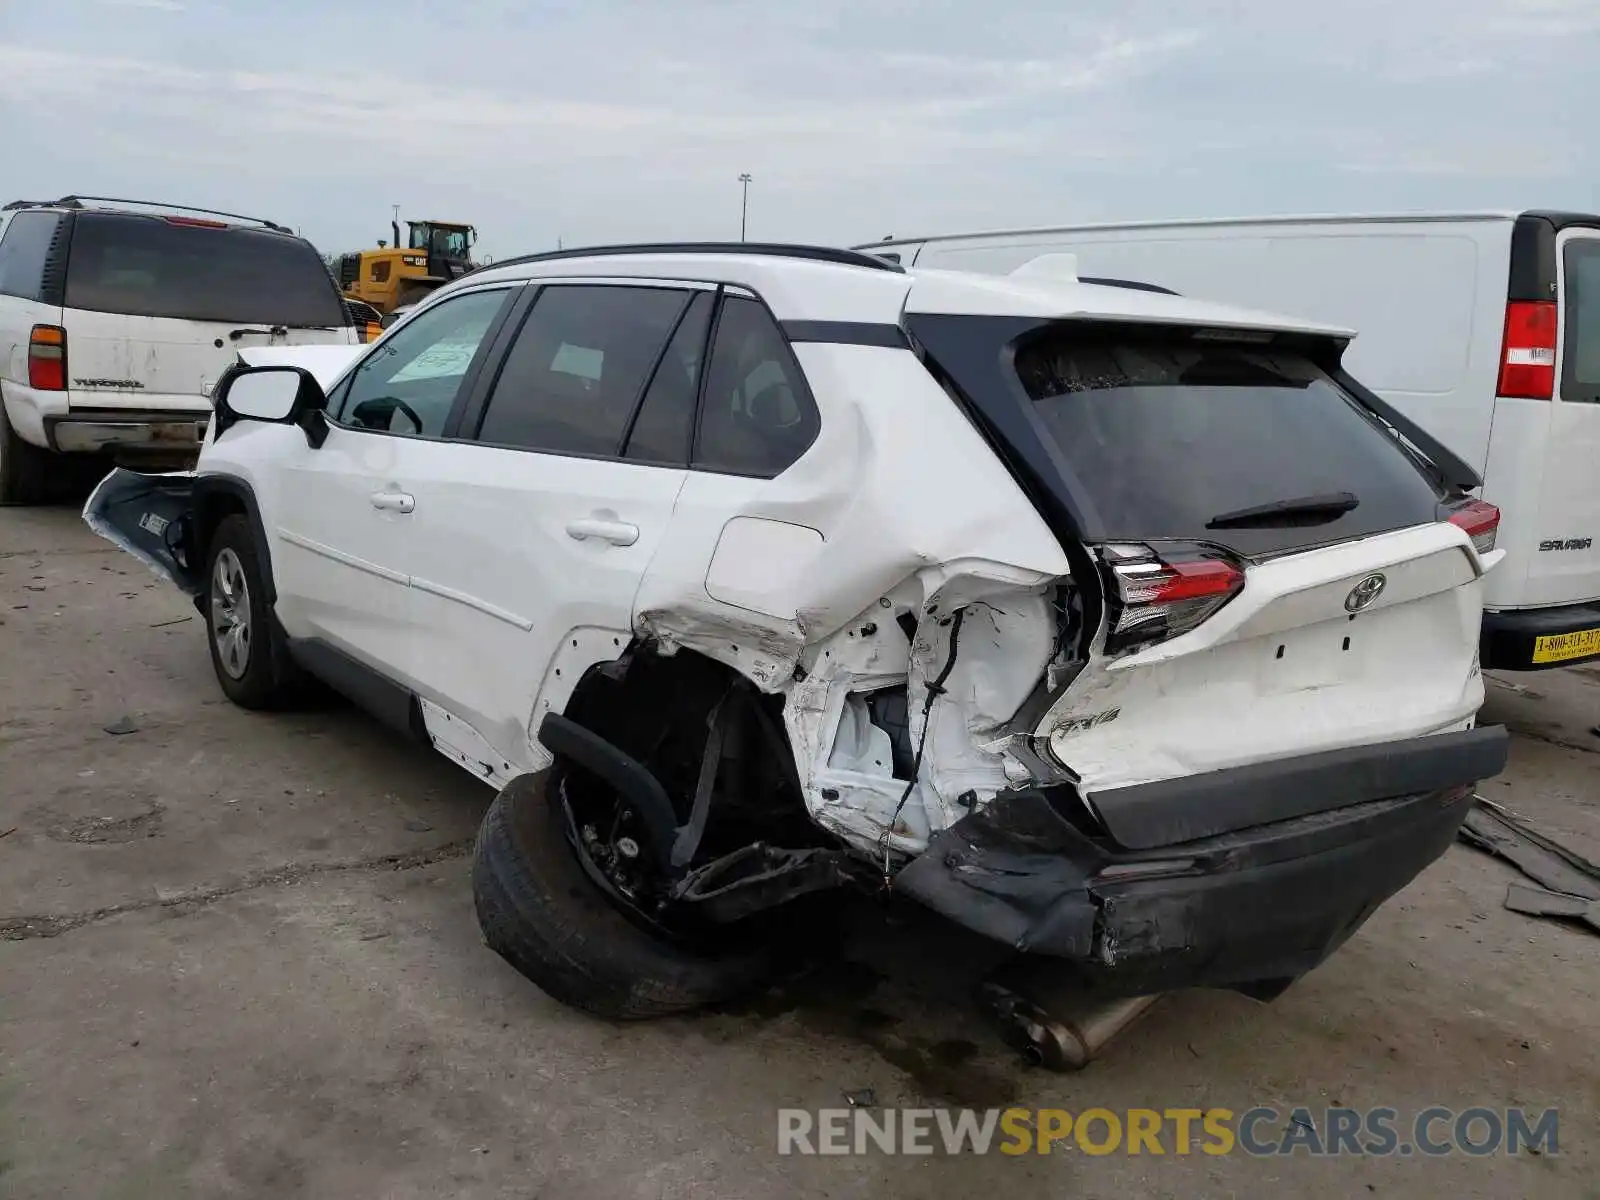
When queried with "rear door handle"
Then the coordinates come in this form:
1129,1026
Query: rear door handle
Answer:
618,533
401,502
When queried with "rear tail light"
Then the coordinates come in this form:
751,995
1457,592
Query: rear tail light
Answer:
1156,598
1528,362
47,358
1481,520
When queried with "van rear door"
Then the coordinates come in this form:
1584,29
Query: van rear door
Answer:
156,308
1565,565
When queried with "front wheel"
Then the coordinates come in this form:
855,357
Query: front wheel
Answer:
542,913
250,666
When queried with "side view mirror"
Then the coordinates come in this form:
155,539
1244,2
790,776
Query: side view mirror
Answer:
276,395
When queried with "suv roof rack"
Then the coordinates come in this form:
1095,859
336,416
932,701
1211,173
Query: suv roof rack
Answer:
845,258
85,201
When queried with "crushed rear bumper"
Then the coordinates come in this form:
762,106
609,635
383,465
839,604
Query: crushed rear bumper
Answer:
1252,906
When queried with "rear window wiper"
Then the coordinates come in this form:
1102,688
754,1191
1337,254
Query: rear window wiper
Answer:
1307,510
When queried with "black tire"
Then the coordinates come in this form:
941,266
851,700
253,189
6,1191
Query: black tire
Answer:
267,680
542,913
24,467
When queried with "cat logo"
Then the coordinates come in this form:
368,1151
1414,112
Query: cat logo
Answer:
1565,544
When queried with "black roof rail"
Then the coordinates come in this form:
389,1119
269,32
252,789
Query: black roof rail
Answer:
79,202
845,258
1135,284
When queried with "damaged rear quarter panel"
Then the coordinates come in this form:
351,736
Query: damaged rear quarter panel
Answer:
909,512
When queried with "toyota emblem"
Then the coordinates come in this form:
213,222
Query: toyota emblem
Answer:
1364,593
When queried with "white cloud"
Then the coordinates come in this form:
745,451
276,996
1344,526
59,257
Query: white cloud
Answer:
625,118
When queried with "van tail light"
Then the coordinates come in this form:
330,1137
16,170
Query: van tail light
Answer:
1481,520
1158,597
47,358
1528,361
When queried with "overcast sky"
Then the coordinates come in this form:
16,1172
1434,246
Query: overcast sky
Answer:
612,120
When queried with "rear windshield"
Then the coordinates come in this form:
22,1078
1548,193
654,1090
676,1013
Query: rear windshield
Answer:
1580,355
1170,437
151,267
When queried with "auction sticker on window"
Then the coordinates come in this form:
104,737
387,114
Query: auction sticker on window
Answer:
1559,647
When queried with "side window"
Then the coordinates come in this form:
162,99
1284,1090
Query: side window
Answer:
573,376
1580,356
23,251
662,431
409,383
758,416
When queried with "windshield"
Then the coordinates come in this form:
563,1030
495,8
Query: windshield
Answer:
1244,445
451,243
151,267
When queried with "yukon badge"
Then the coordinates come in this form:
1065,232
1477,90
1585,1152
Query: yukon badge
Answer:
1365,592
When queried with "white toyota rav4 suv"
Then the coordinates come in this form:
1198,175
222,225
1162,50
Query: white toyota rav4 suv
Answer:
1115,626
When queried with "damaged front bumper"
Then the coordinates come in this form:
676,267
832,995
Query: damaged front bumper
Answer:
1253,904
150,517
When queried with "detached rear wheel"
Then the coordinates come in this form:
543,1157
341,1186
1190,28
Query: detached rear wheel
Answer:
551,919
249,664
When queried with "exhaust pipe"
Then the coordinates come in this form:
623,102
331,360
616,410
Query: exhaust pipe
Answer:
1065,1036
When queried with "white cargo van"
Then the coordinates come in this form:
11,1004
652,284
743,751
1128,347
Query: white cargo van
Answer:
118,316
1484,328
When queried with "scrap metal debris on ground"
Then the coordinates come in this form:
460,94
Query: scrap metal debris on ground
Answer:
1571,882
1540,902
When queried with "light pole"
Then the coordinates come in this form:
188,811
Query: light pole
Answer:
744,203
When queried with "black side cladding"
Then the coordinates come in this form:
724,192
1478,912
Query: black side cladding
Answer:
588,750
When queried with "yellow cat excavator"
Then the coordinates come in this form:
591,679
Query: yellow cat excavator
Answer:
396,274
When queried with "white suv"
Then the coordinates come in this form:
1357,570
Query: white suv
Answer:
1118,627
118,316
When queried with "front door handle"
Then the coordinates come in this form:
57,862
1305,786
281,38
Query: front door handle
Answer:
618,533
401,502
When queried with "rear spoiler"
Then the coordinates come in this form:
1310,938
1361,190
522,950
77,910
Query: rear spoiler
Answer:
1452,466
